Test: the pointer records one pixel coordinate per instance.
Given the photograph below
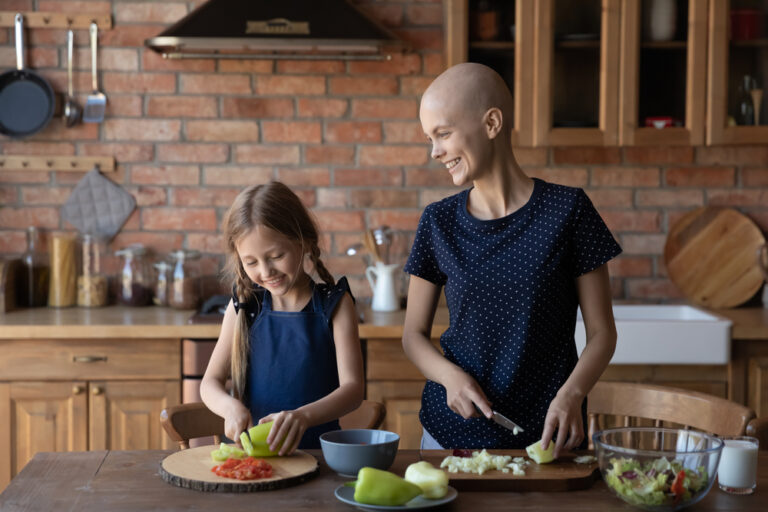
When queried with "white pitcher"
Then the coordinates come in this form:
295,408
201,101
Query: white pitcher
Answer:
384,285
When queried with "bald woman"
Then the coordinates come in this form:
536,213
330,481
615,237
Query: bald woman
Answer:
517,256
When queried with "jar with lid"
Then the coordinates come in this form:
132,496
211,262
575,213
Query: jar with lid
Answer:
161,283
35,272
91,282
184,292
134,281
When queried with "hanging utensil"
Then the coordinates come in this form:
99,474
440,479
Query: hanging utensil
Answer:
370,244
72,110
97,101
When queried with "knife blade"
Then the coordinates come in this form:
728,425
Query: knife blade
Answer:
506,422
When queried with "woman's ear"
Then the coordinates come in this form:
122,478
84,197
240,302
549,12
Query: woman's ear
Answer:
493,121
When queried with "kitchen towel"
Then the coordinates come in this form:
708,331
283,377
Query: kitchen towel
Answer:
98,206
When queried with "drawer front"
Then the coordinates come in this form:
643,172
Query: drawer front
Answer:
90,359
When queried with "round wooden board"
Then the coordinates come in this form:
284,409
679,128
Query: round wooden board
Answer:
191,468
711,255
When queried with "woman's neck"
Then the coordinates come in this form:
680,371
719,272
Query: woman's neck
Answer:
297,296
500,192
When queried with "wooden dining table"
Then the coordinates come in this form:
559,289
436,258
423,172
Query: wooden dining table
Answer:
130,480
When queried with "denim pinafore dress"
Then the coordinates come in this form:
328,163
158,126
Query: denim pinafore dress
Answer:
292,359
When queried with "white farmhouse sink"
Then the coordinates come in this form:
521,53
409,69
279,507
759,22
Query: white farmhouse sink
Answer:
666,334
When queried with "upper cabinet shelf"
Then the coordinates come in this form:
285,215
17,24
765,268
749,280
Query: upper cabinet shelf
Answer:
622,72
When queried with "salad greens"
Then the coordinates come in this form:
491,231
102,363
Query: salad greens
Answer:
656,482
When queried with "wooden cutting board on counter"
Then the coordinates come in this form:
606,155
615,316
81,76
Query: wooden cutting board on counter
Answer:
562,474
711,255
191,468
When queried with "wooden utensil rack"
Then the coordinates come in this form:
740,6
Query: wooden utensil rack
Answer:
56,163
34,19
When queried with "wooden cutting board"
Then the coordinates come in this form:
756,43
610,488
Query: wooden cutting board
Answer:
561,475
711,255
191,468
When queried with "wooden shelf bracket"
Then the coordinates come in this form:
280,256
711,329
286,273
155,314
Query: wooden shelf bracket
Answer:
33,19
56,163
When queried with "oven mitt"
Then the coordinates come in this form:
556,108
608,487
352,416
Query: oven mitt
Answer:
98,206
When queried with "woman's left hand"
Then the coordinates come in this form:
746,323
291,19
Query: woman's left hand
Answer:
564,415
287,431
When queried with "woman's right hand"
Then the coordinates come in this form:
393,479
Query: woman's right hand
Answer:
237,421
463,393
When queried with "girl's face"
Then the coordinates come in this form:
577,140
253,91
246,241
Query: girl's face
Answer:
270,259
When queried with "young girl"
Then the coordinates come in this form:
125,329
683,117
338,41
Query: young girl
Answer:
289,344
517,256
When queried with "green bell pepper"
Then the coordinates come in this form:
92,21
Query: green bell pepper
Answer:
377,487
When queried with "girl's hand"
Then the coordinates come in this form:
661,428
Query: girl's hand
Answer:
465,397
237,421
564,415
287,431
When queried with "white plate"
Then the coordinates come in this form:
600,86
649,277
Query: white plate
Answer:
346,494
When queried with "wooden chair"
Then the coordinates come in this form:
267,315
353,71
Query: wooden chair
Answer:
624,404
189,421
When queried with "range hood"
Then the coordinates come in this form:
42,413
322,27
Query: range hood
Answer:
276,29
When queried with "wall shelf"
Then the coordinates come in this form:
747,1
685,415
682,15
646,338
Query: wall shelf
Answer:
33,19
56,163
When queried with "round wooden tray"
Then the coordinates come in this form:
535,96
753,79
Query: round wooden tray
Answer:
191,469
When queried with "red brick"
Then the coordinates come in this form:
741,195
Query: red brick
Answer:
424,14
121,152
133,12
236,175
643,244
671,155
671,198
142,129
639,221
610,198
586,156
59,131
732,155
222,131
290,85
261,154
700,176
570,176
208,83
389,15
761,218
74,7
364,86
393,155
121,105
40,216
186,219
351,131
305,177
331,198
8,195
165,174
126,35
81,81
206,242
330,220
110,59
401,64
257,107
329,155
36,58
200,153
323,67
209,196
625,266
414,85
755,177
737,197
404,131
24,177
12,242
385,108
384,198
434,64
531,156
17,5
307,196
396,219
45,195
673,216
626,177
330,107
152,83
428,177
344,265
134,221
263,67
367,177
149,196
181,106
292,131
432,195
37,148
422,38
653,289
160,242
153,61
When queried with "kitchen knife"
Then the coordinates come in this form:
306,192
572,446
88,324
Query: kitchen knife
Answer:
506,422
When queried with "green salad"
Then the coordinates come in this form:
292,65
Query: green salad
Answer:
656,482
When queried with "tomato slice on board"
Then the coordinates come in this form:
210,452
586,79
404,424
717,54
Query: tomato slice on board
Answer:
245,469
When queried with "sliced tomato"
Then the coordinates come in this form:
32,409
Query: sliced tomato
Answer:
677,486
245,469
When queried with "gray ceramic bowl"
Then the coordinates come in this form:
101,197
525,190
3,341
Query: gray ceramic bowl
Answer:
346,451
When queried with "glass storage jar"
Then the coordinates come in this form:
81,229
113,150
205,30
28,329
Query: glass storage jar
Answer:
134,281
35,272
184,292
91,282
161,283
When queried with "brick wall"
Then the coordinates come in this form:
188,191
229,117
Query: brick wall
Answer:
188,135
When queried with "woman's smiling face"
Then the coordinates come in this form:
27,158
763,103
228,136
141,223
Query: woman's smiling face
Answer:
270,259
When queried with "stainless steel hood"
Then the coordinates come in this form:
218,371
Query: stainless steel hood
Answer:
276,29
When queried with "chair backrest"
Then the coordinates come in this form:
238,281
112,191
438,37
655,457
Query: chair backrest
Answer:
624,404
189,421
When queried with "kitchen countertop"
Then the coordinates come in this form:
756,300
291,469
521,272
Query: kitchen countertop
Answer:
158,322
130,480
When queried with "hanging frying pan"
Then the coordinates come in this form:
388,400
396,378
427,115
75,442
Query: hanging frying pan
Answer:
26,98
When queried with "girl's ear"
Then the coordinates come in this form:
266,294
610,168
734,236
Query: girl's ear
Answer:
493,121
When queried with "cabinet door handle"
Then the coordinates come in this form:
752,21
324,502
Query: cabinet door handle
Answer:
97,390
77,390
89,359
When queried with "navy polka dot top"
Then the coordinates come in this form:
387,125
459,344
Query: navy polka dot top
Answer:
511,293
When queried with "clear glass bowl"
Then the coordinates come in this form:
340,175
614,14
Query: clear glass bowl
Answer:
643,466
